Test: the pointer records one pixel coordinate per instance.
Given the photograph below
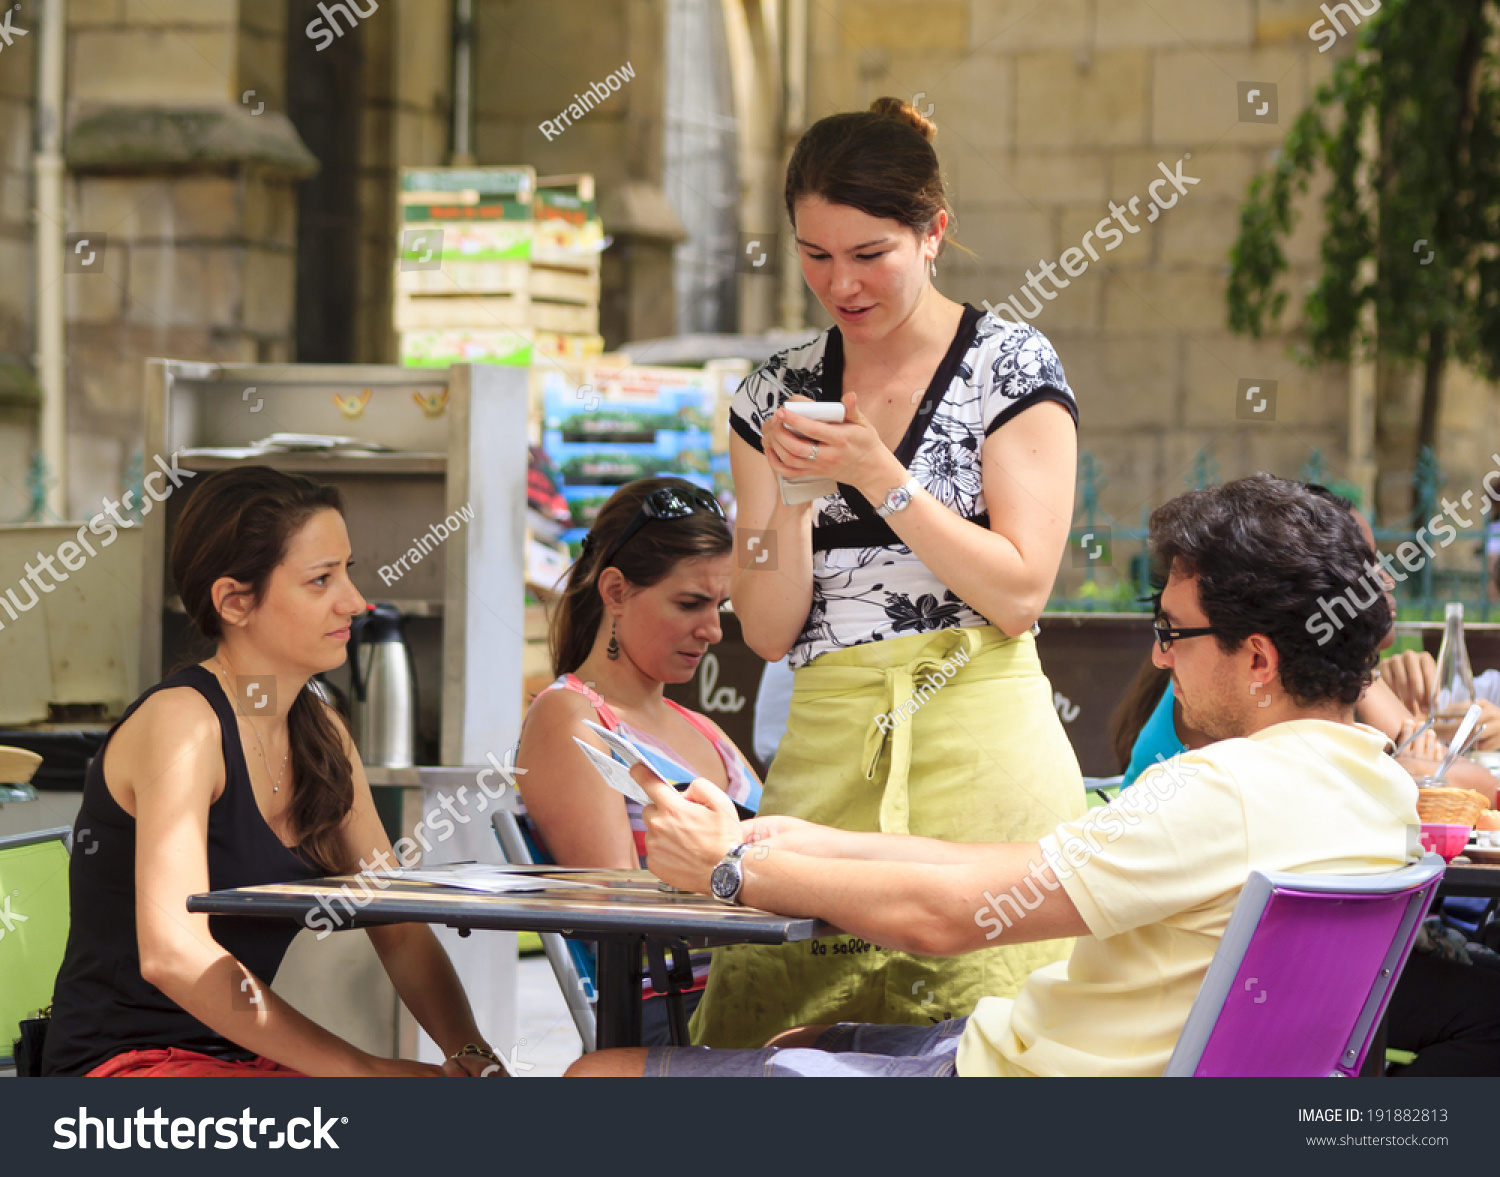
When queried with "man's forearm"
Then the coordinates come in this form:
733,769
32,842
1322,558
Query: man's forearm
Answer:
825,842
927,909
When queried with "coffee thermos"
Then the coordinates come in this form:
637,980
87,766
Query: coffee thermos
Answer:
383,695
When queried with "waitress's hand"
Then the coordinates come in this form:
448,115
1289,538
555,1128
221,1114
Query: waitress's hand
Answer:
849,451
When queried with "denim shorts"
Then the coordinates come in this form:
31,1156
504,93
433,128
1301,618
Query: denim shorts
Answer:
853,1050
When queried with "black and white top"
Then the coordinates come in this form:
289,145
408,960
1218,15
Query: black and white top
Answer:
867,585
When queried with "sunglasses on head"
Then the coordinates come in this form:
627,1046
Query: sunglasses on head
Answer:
669,502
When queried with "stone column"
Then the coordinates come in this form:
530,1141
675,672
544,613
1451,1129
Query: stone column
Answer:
181,186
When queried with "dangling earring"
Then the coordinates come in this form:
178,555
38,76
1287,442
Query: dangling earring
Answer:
932,265
612,651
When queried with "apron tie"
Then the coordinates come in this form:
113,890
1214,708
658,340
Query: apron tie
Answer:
901,683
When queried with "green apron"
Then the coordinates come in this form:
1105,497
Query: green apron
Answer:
992,765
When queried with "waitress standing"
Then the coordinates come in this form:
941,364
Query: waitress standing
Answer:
905,601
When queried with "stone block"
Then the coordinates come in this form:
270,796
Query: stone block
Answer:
264,18
156,208
260,66
270,291
270,216
1050,178
16,263
1222,171
1059,105
1288,21
1012,236
1163,300
530,59
197,286
82,13
18,64
424,53
1083,220
1008,26
98,298
421,138
186,66
167,13
971,100
1137,24
1074,308
834,84
1199,232
905,24
1195,95
1218,362
1126,381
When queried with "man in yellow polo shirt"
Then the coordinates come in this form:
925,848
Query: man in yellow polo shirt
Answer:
1148,883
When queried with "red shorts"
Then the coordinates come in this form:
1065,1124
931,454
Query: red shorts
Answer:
170,1062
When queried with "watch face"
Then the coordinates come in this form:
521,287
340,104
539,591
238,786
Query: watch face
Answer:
725,881
897,499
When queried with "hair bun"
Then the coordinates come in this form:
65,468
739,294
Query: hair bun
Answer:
905,112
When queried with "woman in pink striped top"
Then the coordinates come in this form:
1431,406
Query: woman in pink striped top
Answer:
640,610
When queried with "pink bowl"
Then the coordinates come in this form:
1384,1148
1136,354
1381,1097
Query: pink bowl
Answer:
1445,839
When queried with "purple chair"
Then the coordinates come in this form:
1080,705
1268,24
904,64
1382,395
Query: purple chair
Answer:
1303,974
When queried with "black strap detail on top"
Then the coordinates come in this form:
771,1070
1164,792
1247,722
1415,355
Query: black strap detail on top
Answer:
867,529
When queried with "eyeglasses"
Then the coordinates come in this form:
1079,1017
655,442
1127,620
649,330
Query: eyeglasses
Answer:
1167,634
670,502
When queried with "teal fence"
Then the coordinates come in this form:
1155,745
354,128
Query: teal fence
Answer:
1106,563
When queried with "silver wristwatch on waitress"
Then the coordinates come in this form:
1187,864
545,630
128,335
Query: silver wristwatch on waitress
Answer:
899,499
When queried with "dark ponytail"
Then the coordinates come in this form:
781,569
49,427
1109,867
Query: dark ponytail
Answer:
238,523
648,557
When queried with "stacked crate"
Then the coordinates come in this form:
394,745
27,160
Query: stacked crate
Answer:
515,279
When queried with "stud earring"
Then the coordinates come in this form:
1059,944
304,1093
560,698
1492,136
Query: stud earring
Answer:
612,651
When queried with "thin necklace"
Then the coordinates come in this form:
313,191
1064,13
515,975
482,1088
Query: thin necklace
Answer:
276,785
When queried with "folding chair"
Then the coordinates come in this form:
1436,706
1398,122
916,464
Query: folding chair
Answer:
1304,972
572,963
34,920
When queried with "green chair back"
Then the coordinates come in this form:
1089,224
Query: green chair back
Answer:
33,926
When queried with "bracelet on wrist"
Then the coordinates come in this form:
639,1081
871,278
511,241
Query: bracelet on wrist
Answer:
477,1051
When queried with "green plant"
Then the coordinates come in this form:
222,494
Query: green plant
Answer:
1426,73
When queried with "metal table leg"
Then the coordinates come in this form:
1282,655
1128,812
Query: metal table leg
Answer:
619,1008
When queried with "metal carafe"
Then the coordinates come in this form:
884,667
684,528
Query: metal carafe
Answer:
383,689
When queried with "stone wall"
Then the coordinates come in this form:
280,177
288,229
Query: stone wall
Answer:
181,179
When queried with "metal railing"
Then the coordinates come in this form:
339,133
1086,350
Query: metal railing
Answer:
1106,568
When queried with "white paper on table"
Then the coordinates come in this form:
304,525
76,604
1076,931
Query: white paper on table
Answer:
492,880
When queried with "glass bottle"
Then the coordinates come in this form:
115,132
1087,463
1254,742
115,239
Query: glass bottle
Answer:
1453,692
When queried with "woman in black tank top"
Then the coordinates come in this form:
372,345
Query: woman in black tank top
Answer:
187,796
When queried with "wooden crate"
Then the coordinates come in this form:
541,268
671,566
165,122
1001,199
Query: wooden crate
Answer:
569,284
420,312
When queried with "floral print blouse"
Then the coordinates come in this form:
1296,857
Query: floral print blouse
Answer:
867,585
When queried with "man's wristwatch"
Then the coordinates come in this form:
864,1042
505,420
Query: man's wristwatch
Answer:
729,875
899,499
